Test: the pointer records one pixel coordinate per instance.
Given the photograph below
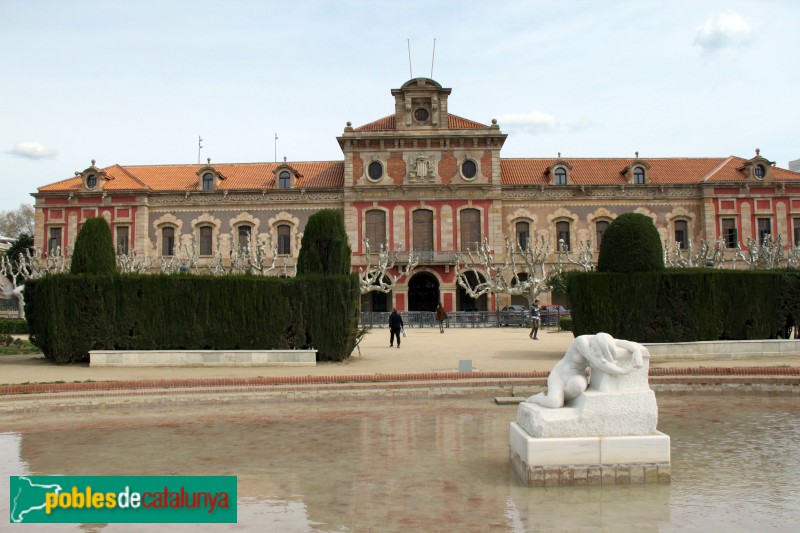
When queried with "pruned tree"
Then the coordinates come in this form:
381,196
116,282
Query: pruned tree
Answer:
379,277
504,277
766,254
710,254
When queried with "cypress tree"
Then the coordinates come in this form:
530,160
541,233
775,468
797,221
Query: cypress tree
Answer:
94,249
324,249
631,244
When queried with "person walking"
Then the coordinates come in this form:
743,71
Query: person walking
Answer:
395,327
536,321
441,316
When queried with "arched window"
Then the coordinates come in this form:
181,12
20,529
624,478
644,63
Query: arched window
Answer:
470,229
600,228
284,239
206,247
562,235
91,181
681,233
523,235
167,241
245,232
208,181
376,228
638,176
561,176
285,180
423,230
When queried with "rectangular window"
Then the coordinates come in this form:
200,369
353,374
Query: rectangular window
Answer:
205,241
796,227
600,230
423,230
376,228
167,241
729,233
244,238
523,235
54,242
122,240
284,240
681,233
562,235
764,229
470,229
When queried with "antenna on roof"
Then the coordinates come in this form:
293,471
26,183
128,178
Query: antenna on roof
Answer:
433,56
276,147
199,147
410,75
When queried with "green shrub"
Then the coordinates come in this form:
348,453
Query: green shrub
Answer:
94,249
631,244
565,323
324,249
15,326
6,340
72,315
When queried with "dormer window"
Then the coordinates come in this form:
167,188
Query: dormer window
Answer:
285,180
560,176
757,167
638,176
208,178
421,115
759,172
208,181
91,181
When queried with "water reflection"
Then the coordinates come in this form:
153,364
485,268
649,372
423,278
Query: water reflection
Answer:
418,465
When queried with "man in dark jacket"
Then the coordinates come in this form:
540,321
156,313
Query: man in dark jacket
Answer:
395,327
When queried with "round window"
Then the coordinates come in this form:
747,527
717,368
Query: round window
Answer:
375,171
421,115
469,169
91,181
760,171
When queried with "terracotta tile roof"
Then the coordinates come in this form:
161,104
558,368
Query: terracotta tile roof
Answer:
453,122
317,174
608,171
385,123
457,123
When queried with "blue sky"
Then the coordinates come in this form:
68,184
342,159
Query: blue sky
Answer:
136,82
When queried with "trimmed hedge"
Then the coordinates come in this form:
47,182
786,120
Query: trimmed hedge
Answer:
70,315
684,305
94,249
17,327
324,248
631,244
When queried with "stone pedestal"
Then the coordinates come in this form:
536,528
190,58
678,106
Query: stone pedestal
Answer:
623,460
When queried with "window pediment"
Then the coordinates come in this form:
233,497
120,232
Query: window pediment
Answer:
637,172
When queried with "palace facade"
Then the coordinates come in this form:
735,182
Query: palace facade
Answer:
426,180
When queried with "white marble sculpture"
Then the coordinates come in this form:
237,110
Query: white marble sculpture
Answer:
615,398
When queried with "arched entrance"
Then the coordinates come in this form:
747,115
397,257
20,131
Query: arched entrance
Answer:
465,301
423,292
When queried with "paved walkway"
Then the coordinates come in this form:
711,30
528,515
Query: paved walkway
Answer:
424,351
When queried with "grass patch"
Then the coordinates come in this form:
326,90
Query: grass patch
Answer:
17,347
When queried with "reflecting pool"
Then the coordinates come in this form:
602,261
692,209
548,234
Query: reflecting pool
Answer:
420,465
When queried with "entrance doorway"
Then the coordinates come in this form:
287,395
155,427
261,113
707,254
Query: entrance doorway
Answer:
423,292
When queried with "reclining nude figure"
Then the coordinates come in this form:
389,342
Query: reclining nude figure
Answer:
602,352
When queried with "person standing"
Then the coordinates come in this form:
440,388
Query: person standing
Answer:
536,321
441,316
395,327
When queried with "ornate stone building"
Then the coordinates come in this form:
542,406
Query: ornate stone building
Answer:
422,179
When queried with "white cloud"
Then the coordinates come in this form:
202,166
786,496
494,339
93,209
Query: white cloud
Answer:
723,31
32,150
533,123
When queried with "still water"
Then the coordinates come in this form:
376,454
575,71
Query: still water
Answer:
420,465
